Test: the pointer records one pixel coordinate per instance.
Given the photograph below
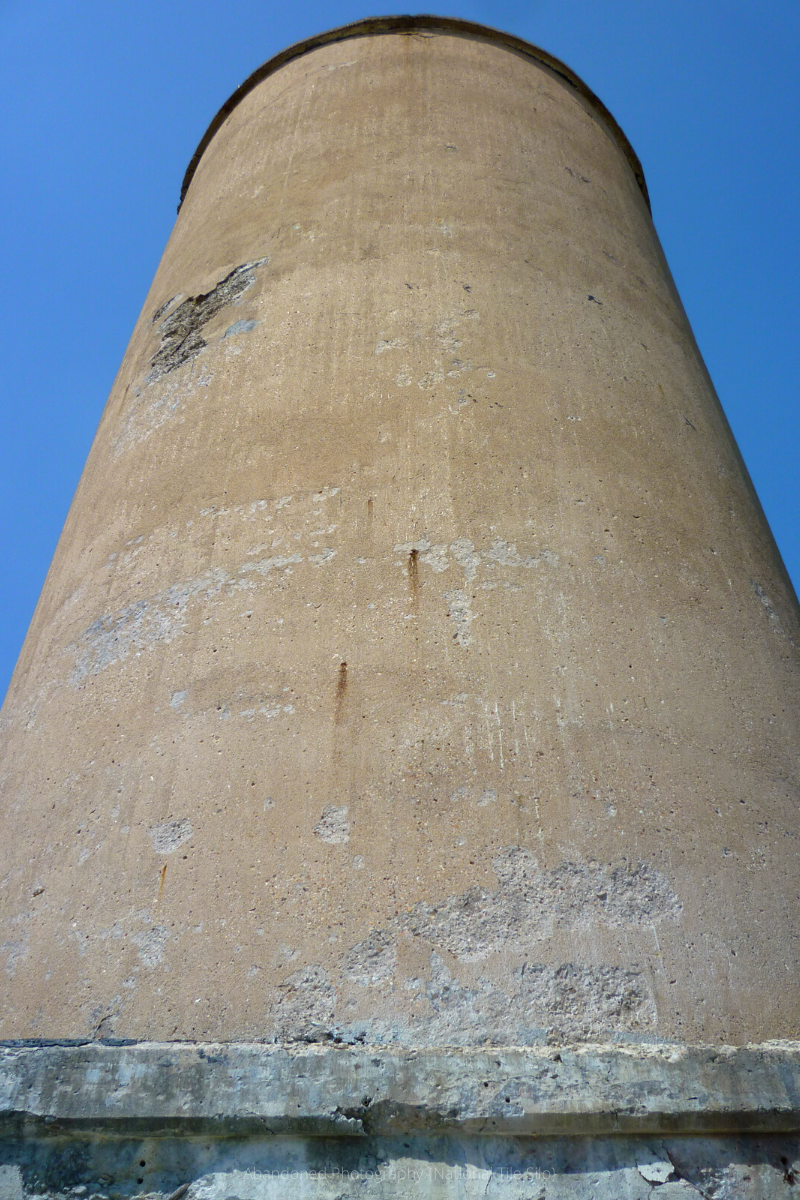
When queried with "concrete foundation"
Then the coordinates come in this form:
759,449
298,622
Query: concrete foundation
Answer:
218,1121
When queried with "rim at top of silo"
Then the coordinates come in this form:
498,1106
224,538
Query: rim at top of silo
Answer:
411,24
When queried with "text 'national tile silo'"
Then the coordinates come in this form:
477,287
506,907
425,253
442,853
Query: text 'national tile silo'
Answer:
404,751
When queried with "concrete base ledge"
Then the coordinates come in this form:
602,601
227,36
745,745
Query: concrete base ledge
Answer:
242,1089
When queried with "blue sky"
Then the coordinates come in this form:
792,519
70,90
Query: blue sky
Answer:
103,105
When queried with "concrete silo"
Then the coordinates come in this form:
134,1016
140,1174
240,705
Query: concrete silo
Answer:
404,750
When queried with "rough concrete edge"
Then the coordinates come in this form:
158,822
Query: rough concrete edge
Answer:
410,24
244,1089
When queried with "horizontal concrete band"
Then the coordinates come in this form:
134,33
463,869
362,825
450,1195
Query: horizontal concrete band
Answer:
174,1089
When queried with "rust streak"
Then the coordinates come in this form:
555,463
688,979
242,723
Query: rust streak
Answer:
341,691
413,574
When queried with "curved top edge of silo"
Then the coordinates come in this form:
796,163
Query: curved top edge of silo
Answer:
409,24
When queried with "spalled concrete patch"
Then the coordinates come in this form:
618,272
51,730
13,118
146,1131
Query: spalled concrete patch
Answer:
139,625
305,1005
333,826
463,554
15,953
564,1002
162,616
372,961
459,610
181,340
534,1000
273,563
150,408
159,618
585,998
151,943
170,836
769,608
530,902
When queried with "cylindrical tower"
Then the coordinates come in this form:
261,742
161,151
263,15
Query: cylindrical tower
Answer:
416,666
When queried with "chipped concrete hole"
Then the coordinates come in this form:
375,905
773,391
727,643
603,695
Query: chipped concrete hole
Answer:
333,826
171,835
181,340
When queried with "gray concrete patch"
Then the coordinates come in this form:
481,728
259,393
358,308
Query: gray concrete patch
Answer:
530,901
333,826
170,836
239,327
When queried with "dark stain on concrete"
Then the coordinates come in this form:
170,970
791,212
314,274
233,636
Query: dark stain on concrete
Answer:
413,573
341,692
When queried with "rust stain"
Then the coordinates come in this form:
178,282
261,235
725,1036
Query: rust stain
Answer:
163,877
341,691
413,574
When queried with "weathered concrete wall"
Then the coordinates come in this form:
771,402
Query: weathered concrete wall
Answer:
416,664
214,1121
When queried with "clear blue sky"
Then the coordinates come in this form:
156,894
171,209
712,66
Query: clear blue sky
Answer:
104,103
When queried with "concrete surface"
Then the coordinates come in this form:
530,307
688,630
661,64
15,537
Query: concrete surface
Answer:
416,664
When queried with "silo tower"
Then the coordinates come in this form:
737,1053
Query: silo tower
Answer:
400,775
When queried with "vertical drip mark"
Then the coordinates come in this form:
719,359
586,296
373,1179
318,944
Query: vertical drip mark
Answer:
341,691
161,884
365,521
413,575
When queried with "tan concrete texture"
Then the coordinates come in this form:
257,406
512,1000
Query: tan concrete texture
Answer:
416,663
